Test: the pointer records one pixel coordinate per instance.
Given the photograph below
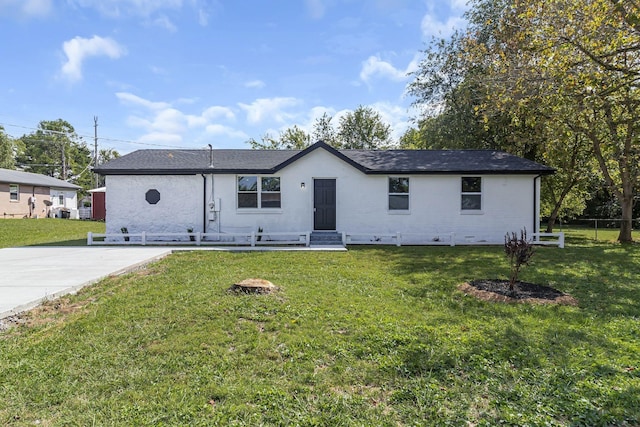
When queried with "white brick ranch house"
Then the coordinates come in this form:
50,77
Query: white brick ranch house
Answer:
470,196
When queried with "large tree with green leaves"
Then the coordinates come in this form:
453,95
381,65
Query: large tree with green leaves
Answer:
55,149
323,130
564,72
7,150
362,128
293,138
579,62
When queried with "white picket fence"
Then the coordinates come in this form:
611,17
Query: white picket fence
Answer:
297,238
199,239
443,239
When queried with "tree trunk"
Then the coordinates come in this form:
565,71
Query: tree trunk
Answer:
551,222
626,226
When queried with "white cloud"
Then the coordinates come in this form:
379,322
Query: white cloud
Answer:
163,122
149,9
269,108
431,26
396,116
203,17
163,22
222,130
459,5
257,84
79,48
134,99
28,8
161,139
115,8
216,112
37,7
316,8
375,66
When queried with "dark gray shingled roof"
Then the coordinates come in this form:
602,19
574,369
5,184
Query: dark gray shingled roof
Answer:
164,162
28,178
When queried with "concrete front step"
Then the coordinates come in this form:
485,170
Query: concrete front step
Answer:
325,238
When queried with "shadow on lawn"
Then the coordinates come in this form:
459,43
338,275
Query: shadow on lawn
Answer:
76,242
602,277
564,355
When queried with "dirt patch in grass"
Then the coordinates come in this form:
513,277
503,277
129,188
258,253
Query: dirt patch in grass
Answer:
497,290
48,312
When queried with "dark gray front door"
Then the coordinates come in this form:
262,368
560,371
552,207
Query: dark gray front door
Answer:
324,204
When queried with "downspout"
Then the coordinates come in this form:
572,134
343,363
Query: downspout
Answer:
536,210
204,203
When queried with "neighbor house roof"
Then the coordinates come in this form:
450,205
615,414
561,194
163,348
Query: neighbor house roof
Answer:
163,162
27,178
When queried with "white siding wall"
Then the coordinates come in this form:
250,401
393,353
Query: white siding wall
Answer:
69,198
362,203
179,208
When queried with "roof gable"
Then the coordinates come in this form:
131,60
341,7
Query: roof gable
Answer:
326,147
182,162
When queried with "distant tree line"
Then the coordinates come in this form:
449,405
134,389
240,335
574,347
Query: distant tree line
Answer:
363,128
53,149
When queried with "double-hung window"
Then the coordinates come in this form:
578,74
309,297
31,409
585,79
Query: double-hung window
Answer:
258,192
14,192
398,193
471,195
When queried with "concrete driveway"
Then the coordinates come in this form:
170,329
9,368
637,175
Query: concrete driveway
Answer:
31,275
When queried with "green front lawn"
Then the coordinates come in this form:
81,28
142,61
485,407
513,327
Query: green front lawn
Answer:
374,336
46,231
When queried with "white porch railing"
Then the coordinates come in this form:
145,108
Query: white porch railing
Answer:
296,238
541,239
398,239
443,239
199,239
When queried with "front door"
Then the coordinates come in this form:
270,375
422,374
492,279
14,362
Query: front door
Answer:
324,204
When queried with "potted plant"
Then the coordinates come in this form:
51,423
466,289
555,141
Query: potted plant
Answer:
192,236
125,231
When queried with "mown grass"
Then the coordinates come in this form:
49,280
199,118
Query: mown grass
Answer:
374,336
46,231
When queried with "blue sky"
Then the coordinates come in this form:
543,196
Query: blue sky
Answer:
187,73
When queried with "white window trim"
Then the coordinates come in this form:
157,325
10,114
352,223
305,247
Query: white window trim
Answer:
259,208
17,193
408,194
472,193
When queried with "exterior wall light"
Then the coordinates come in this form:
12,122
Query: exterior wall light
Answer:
302,185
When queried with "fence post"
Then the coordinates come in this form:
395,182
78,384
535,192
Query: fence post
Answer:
89,238
253,238
398,239
596,230
143,238
561,240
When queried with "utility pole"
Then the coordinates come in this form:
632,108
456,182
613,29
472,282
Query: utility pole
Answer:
95,150
64,157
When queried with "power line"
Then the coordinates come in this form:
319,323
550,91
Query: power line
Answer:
126,141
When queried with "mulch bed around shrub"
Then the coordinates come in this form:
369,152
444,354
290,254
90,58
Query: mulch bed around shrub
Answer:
497,290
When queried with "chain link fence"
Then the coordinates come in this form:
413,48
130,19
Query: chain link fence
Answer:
598,228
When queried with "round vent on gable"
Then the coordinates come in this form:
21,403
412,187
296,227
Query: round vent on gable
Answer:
152,196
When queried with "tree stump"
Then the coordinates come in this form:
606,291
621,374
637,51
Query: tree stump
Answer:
254,286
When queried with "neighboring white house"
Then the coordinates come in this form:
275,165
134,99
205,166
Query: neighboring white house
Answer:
25,194
479,195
